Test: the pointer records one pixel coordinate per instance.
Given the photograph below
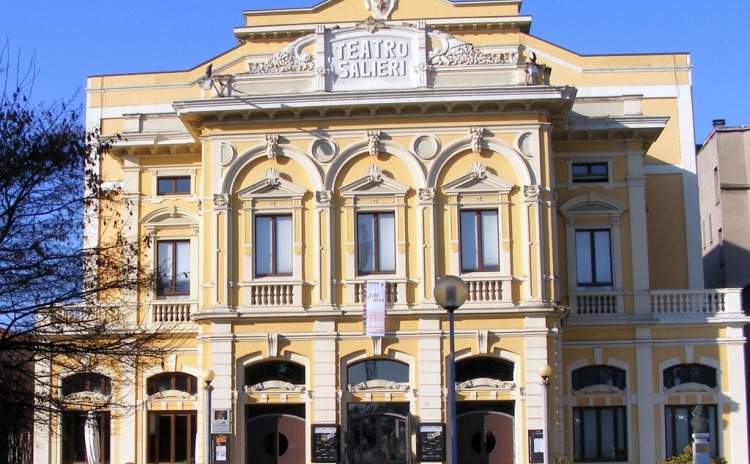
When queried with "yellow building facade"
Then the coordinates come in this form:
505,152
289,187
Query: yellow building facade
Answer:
344,157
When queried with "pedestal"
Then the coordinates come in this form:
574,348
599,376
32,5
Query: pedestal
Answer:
701,449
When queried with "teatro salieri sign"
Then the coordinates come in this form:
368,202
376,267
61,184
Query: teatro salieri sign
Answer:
376,54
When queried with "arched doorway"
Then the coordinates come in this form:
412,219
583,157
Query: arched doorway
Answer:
274,435
486,429
378,432
485,437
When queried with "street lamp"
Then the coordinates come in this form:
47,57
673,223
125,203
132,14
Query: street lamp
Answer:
450,293
544,372
208,377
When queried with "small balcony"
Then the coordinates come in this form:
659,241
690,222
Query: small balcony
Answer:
171,311
661,303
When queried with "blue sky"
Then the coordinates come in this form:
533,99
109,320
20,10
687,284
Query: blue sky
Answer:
72,39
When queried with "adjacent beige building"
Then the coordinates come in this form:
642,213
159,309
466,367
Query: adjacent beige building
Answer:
349,154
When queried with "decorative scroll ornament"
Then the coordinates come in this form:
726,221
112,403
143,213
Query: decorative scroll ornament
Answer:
373,142
477,170
380,9
273,176
456,52
477,136
274,385
290,59
485,382
172,394
375,174
378,384
272,145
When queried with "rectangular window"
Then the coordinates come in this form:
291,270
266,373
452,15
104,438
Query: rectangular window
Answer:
376,243
177,185
173,257
171,437
593,257
480,250
273,245
599,434
679,430
590,172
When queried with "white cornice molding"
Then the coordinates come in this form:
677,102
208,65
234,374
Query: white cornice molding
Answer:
407,96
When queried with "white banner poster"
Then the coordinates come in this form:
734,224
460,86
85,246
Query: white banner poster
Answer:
375,309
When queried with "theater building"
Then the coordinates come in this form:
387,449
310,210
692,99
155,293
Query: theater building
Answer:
305,190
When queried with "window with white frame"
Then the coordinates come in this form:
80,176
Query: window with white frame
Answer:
590,172
173,185
376,243
592,231
599,431
273,245
681,383
173,266
593,257
480,241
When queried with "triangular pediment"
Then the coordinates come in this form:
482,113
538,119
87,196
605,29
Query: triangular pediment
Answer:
478,180
374,183
272,186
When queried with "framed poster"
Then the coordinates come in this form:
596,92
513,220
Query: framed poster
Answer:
325,443
431,442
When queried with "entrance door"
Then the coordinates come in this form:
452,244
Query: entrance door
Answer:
378,433
485,437
275,439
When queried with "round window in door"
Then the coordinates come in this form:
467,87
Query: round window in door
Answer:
485,437
275,434
378,433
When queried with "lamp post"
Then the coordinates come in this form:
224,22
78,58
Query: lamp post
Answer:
450,293
208,377
544,372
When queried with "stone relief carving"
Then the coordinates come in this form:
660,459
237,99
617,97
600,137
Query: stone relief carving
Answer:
172,394
273,176
485,382
477,137
380,9
272,145
426,195
375,174
378,384
274,385
373,142
478,170
323,197
221,200
456,52
531,192
290,59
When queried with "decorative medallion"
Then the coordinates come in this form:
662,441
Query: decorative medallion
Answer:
380,9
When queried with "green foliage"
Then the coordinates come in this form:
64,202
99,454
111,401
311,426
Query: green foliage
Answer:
561,458
687,458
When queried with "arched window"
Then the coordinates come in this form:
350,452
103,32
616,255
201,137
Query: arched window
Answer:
87,382
590,376
689,373
483,367
282,371
599,432
378,369
172,381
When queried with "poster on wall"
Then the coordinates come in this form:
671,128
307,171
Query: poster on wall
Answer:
221,421
375,309
325,443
